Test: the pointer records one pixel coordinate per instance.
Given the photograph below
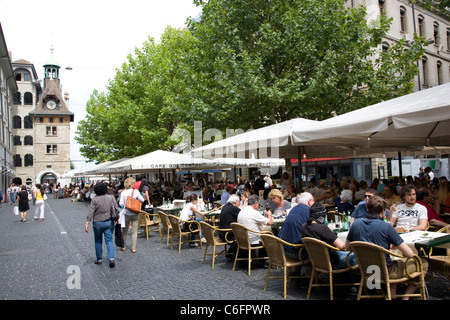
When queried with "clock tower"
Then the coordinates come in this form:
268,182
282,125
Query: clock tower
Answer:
52,120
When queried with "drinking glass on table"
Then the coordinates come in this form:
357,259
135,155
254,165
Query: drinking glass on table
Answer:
407,226
337,223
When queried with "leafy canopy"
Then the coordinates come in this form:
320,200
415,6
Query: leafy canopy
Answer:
246,64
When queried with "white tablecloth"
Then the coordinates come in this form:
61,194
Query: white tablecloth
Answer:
410,238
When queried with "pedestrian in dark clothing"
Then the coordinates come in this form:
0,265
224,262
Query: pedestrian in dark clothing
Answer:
22,200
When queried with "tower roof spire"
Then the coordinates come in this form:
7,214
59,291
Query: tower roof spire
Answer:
51,61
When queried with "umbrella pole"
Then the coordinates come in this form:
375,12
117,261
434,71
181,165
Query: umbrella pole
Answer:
300,168
400,169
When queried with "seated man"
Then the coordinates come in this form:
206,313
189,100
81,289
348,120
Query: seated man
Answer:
315,227
251,218
409,215
361,210
291,230
374,230
226,194
228,215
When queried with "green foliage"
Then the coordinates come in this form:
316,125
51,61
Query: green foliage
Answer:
270,61
246,64
143,104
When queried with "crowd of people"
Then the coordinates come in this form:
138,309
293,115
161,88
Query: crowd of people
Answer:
410,204
414,203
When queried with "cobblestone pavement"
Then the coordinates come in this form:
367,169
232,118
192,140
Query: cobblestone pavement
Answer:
39,260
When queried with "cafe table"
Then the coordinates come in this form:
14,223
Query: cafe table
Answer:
417,239
213,216
170,210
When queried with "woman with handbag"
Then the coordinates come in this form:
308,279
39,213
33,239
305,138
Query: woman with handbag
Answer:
103,212
130,216
39,193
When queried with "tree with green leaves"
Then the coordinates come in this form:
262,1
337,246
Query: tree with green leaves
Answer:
246,64
268,61
144,103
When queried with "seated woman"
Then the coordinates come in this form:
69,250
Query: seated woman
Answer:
278,206
188,213
346,204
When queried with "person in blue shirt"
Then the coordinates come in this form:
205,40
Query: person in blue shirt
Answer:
374,230
361,210
291,229
226,194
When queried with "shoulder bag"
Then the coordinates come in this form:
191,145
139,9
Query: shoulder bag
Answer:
113,211
132,204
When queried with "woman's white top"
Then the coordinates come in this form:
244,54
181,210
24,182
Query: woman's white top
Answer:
187,212
123,199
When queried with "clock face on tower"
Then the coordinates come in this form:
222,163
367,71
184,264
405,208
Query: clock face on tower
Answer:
51,104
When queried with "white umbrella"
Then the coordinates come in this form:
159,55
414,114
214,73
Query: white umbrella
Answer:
159,160
268,142
97,169
415,120
244,162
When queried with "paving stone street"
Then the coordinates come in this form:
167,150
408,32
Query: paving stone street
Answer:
40,260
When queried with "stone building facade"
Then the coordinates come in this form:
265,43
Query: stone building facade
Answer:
42,140
408,19
8,86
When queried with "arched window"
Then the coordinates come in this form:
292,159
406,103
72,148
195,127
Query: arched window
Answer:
28,141
402,19
437,38
17,160
22,75
439,72
17,122
424,71
448,39
28,160
16,141
28,98
17,98
381,6
421,20
385,47
28,122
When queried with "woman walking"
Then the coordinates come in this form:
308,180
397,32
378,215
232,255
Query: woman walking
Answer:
130,216
103,212
40,205
22,200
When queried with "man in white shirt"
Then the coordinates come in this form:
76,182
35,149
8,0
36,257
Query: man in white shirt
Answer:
313,189
409,215
251,218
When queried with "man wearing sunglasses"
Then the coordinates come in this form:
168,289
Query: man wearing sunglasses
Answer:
361,210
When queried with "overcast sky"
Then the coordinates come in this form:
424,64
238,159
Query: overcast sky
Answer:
93,37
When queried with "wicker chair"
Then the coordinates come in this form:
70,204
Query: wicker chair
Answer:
213,241
277,257
165,224
147,223
176,231
241,234
440,264
369,255
319,254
